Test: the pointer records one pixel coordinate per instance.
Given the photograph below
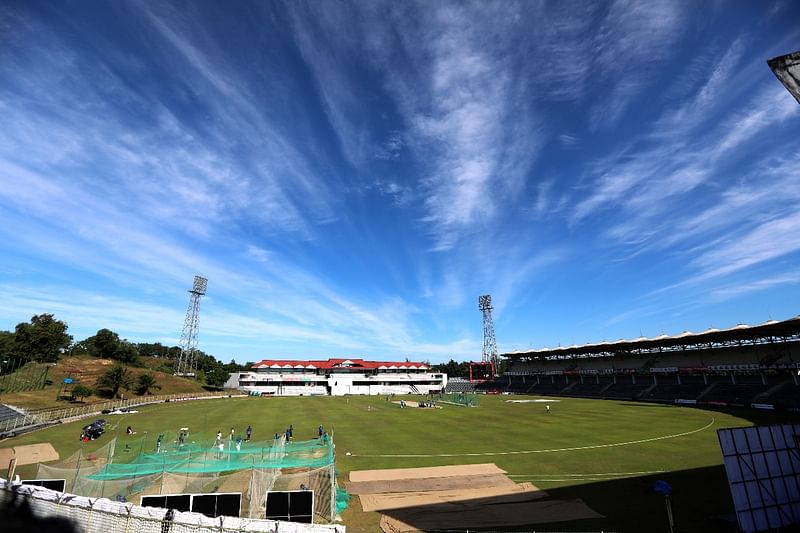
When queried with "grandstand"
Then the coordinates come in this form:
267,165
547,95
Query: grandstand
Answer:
459,385
8,413
740,366
338,377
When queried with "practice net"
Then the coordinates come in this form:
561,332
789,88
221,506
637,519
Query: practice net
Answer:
250,468
460,398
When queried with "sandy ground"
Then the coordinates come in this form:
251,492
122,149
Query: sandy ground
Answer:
429,472
459,496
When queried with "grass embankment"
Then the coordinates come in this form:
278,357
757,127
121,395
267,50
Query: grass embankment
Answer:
578,450
87,371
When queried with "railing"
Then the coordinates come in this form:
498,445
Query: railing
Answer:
43,416
99,515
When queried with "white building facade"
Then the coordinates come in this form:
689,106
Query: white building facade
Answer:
338,377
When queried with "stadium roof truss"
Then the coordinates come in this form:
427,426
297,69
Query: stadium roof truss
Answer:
772,331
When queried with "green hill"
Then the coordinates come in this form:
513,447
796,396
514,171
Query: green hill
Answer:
87,370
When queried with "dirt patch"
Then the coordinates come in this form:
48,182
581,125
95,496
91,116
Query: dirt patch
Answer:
401,500
6,454
32,454
457,496
422,473
424,484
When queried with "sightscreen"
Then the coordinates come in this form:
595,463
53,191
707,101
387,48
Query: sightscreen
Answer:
213,504
763,468
291,506
52,484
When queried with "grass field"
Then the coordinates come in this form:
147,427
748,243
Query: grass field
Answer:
608,453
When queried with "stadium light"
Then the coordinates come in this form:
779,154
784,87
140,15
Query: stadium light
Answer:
787,70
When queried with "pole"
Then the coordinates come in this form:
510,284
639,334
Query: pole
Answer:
670,518
12,467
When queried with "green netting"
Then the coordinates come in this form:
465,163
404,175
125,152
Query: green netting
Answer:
460,398
19,375
157,464
342,500
225,457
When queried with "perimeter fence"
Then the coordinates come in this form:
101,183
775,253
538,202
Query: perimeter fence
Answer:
101,515
45,416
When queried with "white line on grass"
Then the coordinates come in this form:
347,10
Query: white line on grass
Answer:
550,450
538,478
589,475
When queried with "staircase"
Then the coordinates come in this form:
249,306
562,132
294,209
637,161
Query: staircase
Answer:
706,390
568,387
762,397
414,388
645,392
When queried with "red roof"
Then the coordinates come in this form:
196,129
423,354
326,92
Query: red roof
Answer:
341,363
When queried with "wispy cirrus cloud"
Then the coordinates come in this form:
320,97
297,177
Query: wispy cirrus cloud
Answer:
644,179
739,289
175,169
145,197
454,91
633,38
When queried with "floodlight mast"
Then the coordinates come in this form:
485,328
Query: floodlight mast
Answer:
787,69
186,365
489,342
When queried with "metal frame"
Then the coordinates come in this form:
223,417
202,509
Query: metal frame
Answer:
186,364
489,341
763,468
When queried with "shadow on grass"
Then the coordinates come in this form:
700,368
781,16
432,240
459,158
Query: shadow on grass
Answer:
701,497
701,502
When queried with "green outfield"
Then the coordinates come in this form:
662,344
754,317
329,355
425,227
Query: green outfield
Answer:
608,453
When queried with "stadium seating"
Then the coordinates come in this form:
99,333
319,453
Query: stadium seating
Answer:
627,390
668,388
785,394
740,373
459,385
589,388
7,413
737,393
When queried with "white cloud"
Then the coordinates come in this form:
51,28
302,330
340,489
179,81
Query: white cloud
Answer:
769,240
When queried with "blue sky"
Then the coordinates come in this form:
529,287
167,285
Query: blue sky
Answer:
351,176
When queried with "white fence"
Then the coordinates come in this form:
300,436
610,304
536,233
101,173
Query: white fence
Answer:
43,416
100,515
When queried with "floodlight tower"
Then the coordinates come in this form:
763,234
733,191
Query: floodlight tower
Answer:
787,69
489,342
186,365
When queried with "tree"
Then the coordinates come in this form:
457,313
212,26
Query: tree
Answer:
156,349
6,342
79,348
126,352
81,391
43,339
107,344
104,343
145,383
217,376
117,377
453,369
